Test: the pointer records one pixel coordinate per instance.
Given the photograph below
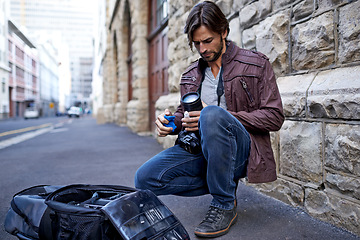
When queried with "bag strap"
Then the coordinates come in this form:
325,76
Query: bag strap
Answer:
45,228
220,86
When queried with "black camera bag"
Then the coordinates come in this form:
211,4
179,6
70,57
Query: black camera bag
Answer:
91,212
75,211
27,210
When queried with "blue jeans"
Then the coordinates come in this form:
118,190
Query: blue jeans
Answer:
225,149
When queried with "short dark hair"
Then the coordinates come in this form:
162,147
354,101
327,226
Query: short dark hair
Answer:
208,14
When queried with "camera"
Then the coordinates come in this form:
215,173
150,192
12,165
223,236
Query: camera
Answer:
190,141
191,102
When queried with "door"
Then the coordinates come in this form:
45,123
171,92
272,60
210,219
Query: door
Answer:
158,60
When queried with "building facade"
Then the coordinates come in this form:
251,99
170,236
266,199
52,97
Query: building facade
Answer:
49,79
4,65
104,9
314,49
136,61
24,72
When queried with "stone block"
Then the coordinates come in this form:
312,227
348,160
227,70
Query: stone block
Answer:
167,141
293,90
175,76
119,113
264,7
342,148
176,26
253,12
137,116
281,4
140,74
328,4
275,145
313,43
238,4
179,7
335,94
249,39
100,118
283,190
272,40
235,34
303,9
108,111
225,6
248,15
334,209
170,101
346,185
349,33
300,151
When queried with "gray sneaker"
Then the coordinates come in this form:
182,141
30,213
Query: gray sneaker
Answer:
217,222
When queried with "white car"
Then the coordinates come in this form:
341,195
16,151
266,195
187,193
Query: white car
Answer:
74,112
31,113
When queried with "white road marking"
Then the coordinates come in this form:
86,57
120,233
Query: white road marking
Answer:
24,137
56,130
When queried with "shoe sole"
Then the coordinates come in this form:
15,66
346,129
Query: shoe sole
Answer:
218,233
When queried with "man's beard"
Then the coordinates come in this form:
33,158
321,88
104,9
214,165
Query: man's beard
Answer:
217,54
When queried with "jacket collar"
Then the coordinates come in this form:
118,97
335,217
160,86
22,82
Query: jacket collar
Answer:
230,52
225,58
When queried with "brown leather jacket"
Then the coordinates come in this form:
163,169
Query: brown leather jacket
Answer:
252,96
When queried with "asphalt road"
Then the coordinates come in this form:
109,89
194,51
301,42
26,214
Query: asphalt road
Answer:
80,151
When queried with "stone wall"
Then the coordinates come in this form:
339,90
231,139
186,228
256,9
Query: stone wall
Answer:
117,106
314,47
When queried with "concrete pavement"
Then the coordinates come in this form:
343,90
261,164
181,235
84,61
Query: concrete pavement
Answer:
109,154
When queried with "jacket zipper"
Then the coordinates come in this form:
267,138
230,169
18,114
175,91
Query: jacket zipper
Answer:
244,85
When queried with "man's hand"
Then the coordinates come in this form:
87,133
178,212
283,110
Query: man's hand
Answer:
191,123
160,121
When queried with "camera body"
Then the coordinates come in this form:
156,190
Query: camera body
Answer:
190,141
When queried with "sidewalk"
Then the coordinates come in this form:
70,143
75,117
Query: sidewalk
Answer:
109,154
260,217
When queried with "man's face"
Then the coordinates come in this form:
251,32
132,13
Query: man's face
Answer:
209,44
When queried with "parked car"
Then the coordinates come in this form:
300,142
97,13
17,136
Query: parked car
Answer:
31,113
74,112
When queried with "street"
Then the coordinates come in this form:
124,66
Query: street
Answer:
73,151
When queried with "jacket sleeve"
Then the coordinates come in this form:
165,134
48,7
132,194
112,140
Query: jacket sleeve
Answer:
179,114
269,116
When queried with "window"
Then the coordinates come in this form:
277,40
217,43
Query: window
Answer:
10,46
3,85
19,53
19,72
161,11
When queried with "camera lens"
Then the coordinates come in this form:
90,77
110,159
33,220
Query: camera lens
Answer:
192,102
190,98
